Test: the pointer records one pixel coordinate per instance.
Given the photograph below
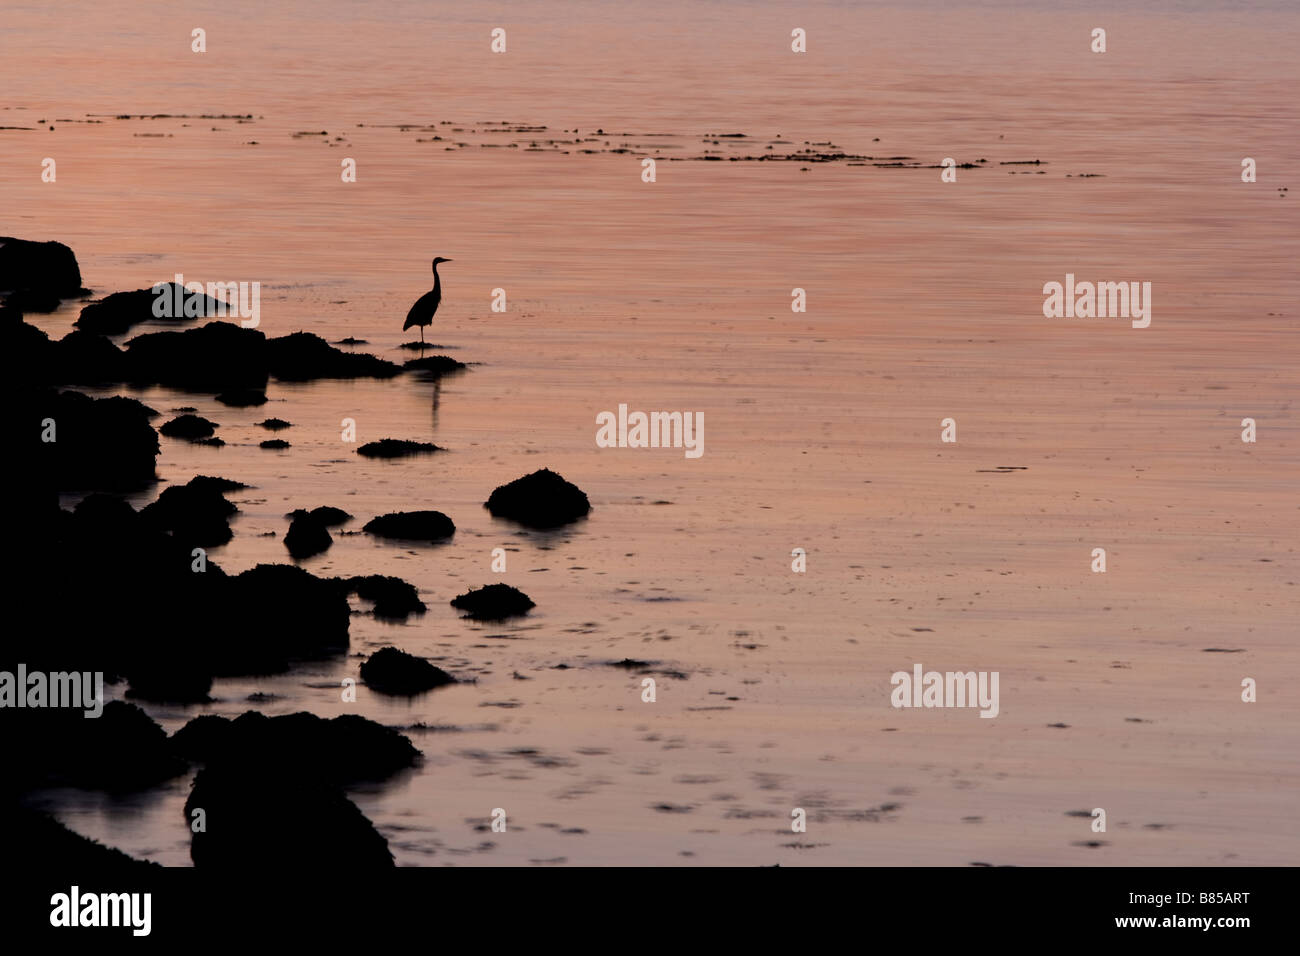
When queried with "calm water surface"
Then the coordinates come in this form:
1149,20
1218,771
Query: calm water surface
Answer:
822,428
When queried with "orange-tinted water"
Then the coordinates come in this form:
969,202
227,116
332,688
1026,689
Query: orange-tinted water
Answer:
823,428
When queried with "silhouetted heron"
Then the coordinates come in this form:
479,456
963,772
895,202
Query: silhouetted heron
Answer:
422,312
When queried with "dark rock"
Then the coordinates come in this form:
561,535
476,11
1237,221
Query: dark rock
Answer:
307,536
120,751
162,681
38,843
140,610
412,526
493,602
274,444
220,485
325,514
265,812
87,358
275,424
125,749
393,598
540,500
219,357
242,397
210,442
189,426
202,737
270,788
345,750
99,443
195,515
279,613
28,358
216,357
130,406
359,749
35,275
150,608
118,312
391,671
435,366
396,448
302,356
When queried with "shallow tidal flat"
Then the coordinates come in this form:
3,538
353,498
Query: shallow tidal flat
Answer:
924,302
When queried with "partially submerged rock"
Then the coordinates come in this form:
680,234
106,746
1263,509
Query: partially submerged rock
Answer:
540,500
28,358
260,622
168,681
190,427
307,536
264,812
275,424
130,406
393,598
140,610
96,443
396,448
117,313
35,276
210,483
38,843
344,750
412,526
435,366
121,750
302,356
274,444
392,671
493,602
326,515
194,514
84,358
149,605
242,397
215,357
280,613
270,789
219,357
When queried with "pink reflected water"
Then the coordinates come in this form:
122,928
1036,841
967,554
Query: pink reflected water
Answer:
924,302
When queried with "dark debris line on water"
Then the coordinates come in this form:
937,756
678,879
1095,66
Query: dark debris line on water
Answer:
732,147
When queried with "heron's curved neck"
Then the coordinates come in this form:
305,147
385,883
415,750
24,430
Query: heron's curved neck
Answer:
437,282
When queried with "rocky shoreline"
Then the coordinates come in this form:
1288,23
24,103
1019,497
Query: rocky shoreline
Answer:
131,593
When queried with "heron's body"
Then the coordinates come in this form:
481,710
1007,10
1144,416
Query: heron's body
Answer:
426,306
422,312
